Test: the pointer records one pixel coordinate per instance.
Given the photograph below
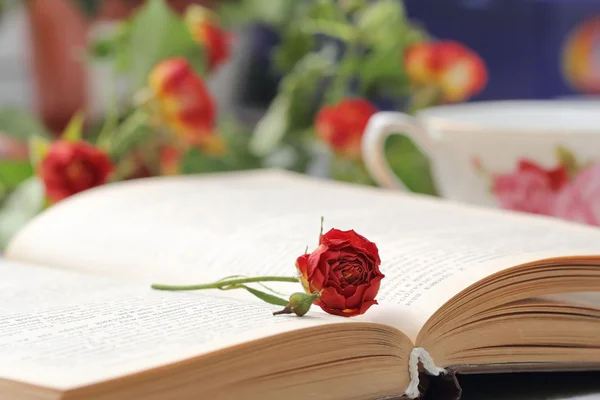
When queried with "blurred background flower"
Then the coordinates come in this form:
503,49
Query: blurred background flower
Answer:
196,86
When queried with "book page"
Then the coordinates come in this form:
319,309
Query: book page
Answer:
197,229
429,252
62,329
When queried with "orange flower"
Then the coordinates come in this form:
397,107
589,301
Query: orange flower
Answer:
205,28
455,70
184,104
341,126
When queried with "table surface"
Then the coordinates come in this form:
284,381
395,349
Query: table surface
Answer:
531,386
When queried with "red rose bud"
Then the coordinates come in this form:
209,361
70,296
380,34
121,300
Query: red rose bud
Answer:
205,28
455,70
344,269
299,304
341,126
184,104
71,167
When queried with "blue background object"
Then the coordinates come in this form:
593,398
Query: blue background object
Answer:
520,40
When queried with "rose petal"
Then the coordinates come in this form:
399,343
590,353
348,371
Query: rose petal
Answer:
348,292
332,299
317,280
314,259
355,300
335,238
302,264
372,289
335,285
366,305
340,312
372,250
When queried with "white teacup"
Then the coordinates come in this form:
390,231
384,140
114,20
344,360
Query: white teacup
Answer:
533,156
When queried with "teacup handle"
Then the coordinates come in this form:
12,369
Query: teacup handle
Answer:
381,126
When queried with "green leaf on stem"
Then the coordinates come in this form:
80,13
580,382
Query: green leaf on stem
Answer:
133,130
231,277
38,149
383,66
271,12
328,10
271,289
244,276
295,44
568,159
22,205
74,130
20,124
410,164
196,162
272,127
157,33
13,172
380,19
269,298
348,170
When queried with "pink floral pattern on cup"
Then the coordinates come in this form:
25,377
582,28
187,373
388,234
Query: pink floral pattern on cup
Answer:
580,200
569,190
529,188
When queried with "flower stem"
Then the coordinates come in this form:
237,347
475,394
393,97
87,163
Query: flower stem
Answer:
128,132
225,283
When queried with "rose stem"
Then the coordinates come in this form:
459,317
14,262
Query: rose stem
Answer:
221,284
321,231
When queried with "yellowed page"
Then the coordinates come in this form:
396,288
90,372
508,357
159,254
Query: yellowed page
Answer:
63,329
198,229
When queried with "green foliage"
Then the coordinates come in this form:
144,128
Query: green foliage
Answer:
238,157
12,173
22,205
329,50
154,33
410,164
74,130
158,33
361,48
295,106
266,297
243,12
566,158
38,148
295,44
20,124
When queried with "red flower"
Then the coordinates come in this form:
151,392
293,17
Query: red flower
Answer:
206,30
72,167
530,188
345,269
341,126
455,70
184,104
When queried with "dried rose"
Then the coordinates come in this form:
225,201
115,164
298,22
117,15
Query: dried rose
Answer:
344,269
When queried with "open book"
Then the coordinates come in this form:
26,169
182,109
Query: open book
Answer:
466,289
